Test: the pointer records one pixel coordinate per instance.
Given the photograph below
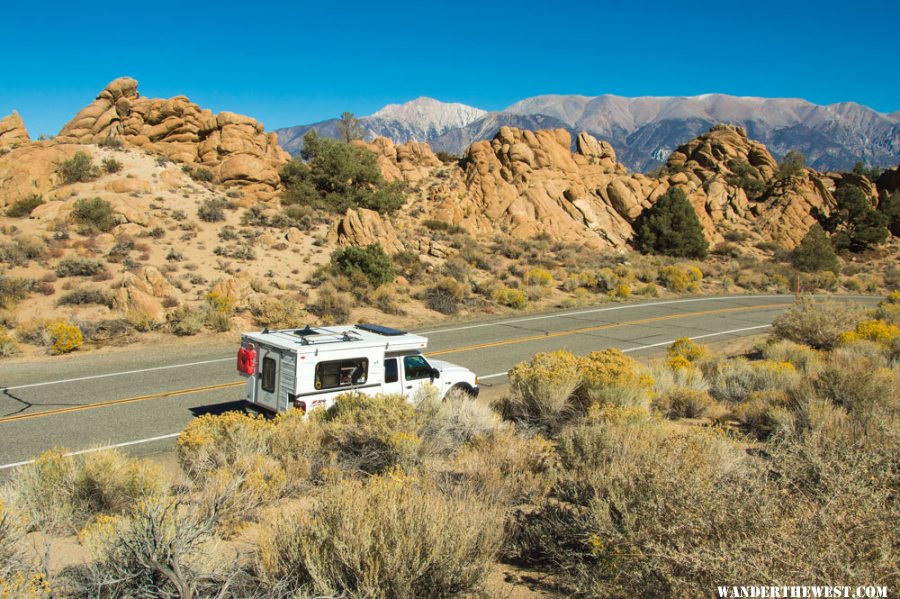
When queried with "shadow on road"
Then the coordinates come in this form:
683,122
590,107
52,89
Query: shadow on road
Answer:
220,408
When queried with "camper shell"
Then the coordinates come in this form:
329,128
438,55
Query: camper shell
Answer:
309,367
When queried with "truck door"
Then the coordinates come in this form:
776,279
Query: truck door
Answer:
268,381
392,384
416,373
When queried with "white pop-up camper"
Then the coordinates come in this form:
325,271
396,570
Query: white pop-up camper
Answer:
307,368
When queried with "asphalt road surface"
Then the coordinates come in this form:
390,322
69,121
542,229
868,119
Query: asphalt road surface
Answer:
140,398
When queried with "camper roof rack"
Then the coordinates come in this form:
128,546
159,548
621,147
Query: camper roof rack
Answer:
323,335
380,330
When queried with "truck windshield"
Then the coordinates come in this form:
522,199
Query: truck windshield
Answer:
416,367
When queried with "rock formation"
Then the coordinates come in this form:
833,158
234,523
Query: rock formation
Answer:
12,131
235,148
410,162
527,182
143,292
364,227
779,212
31,169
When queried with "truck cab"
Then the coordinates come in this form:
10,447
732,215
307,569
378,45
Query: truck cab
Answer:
309,367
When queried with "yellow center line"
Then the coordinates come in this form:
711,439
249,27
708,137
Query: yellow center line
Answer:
117,402
525,339
601,327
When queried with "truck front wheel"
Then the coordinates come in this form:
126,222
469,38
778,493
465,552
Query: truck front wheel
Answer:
463,388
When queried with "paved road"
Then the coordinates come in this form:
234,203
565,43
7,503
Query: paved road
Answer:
141,398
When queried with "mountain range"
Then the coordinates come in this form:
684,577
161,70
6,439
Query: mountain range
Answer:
644,130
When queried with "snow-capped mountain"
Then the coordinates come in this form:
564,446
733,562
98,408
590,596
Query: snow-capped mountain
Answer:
644,130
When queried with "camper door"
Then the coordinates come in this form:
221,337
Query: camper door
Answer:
269,379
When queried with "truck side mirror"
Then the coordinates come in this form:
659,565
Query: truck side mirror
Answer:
435,373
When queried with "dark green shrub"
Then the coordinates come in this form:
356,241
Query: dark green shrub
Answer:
440,225
372,261
670,227
24,206
746,177
890,207
854,224
201,173
815,253
337,176
791,165
84,296
78,267
212,210
112,143
94,214
111,165
78,168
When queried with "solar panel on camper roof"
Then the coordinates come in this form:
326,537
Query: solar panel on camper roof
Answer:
380,330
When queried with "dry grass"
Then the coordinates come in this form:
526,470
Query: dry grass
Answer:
392,536
61,494
818,324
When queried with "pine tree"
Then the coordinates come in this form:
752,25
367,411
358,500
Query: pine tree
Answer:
350,127
854,224
670,227
815,253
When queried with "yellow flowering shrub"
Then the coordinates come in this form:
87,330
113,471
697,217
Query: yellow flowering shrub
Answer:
64,337
220,302
609,376
876,331
674,279
212,441
363,431
541,390
540,277
25,585
513,298
622,291
688,349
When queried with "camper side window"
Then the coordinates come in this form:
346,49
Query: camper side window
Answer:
268,375
342,373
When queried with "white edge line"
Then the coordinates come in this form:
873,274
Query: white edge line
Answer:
94,449
633,306
595,310
488,376
652,345
102,376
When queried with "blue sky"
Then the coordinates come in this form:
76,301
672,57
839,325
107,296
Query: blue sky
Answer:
300,62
